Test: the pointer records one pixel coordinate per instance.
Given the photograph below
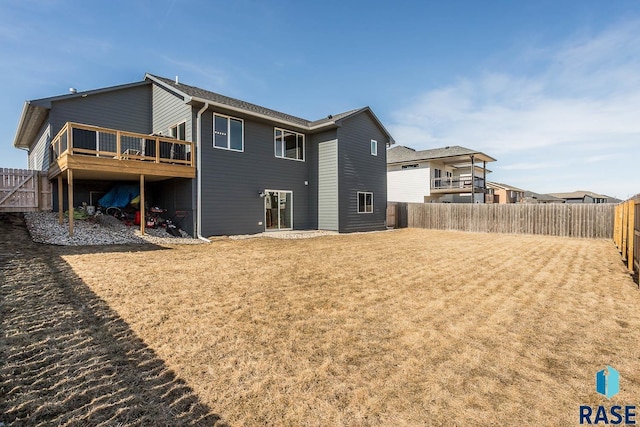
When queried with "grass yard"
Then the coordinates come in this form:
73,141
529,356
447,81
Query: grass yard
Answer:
410,327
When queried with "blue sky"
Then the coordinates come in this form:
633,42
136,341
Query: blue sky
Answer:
549,88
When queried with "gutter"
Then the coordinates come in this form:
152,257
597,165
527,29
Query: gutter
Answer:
261,116
199,166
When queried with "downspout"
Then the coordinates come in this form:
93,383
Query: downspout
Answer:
199,166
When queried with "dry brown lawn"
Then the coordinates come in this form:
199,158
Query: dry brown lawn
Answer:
410,327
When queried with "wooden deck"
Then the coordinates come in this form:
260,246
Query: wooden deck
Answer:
100,153
82,151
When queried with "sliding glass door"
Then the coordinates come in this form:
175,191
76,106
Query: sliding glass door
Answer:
278,208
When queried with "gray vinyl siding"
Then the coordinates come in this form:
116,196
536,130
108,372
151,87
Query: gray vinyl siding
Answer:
361,171
168,110
231,181
126,109
38,158
328,204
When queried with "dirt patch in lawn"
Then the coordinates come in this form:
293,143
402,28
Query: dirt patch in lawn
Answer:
66,358
410,327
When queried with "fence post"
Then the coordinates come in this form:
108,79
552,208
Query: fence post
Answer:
631,234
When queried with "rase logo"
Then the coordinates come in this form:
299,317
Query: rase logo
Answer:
608,382
608,385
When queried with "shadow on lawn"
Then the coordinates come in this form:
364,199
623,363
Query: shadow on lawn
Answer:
67,358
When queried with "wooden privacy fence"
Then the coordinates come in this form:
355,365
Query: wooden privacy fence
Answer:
570,220
24,190
626,234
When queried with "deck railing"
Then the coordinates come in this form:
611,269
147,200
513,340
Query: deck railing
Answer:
455,183
86,140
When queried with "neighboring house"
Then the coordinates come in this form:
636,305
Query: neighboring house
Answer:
436,175
235,167
583,197
503,193
531,197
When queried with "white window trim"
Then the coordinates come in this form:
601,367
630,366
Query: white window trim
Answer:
374,143
304,145
358,202
176,127
228,147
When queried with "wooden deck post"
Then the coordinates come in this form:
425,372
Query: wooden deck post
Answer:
70,197
60,204
142,214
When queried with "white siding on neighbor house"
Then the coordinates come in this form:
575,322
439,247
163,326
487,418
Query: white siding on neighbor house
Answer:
408,185
328,207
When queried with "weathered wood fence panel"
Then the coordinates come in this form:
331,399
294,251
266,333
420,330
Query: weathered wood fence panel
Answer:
23,190
569,220
626,234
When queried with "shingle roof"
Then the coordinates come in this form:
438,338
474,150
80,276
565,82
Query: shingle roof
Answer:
335,118
405,154
505,186
580,194
542,197
232,102
35,111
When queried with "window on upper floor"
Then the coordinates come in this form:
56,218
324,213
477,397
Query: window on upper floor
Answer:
410,166
179,131
374,147
288,144
228,132
365,202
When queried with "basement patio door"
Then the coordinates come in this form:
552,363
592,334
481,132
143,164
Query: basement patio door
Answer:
278,210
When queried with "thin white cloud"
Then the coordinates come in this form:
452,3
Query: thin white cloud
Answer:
584,97
211,76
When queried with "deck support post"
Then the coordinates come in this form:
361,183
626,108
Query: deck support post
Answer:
142,213
70,197
60,201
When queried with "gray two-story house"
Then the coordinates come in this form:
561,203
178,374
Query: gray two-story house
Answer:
232,166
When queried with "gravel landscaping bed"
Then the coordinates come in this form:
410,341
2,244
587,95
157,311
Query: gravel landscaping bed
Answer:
96,230
107,230
292,234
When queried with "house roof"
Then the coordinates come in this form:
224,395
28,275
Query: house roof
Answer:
198,93
542,197
580,194
456,153
504,186
35,112
195,94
